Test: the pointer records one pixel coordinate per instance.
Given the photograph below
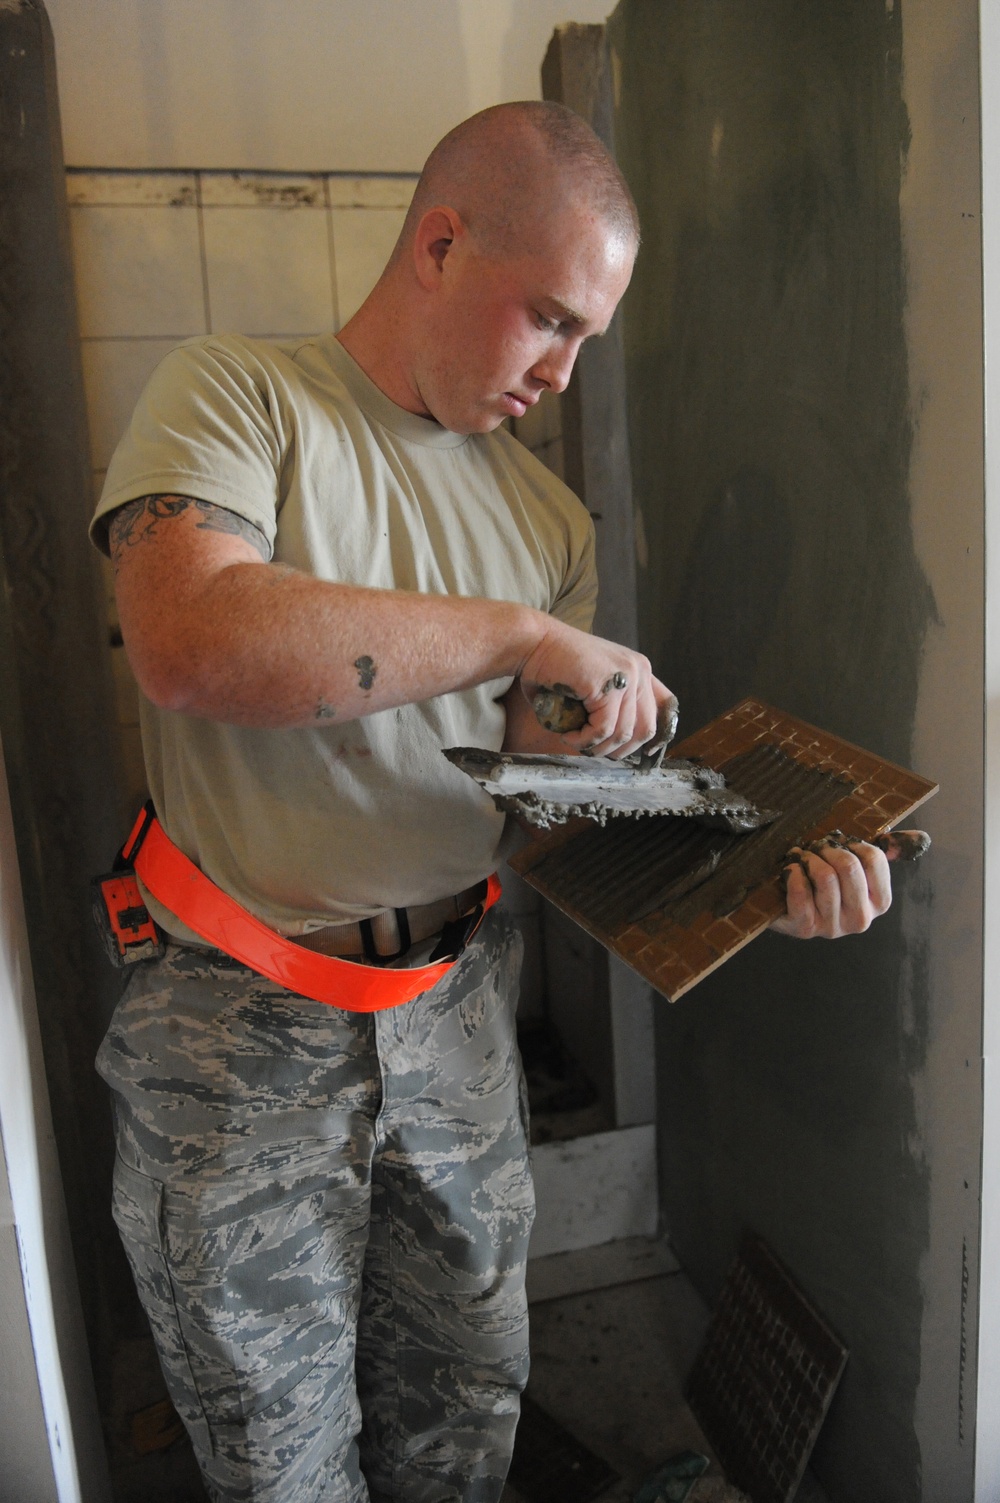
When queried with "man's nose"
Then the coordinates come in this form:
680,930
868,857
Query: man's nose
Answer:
556,365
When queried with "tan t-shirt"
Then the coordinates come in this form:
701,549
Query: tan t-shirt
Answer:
324,824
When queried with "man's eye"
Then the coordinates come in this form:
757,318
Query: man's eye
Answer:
548,324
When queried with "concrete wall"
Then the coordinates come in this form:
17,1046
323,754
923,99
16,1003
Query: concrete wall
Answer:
804,355
306,85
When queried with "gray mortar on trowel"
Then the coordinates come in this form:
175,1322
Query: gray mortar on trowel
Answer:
547,790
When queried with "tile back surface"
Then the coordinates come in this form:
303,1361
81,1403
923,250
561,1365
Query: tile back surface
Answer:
673,944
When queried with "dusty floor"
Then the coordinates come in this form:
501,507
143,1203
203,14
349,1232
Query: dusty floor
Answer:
608,1364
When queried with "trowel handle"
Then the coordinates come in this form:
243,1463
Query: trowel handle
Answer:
559,710
651,755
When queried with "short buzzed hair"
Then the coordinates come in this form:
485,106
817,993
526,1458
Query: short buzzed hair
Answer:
487,169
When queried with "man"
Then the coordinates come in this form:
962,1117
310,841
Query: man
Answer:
330,565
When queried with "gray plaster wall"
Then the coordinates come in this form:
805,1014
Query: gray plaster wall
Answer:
803,363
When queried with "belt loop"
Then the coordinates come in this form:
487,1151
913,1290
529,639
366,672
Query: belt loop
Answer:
369,947
368,941
403,927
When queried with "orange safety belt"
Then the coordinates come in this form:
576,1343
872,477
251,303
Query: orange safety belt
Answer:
220,921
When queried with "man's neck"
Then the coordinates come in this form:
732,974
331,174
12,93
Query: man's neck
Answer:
374,340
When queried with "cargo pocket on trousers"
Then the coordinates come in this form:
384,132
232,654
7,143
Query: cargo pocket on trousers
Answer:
137,1208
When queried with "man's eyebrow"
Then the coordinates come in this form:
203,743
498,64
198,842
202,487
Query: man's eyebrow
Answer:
569,315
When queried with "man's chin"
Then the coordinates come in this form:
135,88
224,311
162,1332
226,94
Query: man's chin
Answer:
470,423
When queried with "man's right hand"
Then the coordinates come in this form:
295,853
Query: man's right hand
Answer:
616,686
213,629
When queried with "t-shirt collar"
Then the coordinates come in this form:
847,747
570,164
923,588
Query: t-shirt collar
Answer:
382,409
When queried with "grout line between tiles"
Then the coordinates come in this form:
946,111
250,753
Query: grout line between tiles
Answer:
203,253
332,253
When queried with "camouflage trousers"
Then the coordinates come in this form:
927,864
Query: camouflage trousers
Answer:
327,1216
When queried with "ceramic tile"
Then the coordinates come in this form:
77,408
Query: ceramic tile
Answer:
262,190
164,189
114,374
138,271
594,1189
362,243
268,270
370,192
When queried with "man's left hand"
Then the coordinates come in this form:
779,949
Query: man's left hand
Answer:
836,893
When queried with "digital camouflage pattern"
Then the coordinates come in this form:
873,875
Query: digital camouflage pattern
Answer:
327,1216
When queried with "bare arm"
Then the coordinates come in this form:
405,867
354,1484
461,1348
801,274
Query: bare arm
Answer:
213,629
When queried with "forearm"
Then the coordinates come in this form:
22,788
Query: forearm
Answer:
265,645
211,629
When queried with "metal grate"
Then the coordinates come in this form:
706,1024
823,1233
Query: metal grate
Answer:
764,1378
675,899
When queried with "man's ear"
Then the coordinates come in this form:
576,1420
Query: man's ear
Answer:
436,234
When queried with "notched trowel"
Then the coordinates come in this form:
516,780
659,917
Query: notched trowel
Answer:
547,790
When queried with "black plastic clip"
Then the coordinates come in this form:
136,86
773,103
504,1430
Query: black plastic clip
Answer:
455,936
368,939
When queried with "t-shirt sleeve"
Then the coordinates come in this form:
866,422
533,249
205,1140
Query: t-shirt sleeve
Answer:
576,601
203,427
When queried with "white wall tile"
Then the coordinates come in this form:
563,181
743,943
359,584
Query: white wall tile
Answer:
114,374
263,190
595,1189
362,243
166,189
370,192
138,270
269,270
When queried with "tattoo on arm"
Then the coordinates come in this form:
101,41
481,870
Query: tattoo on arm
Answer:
140,519
366,672
325,711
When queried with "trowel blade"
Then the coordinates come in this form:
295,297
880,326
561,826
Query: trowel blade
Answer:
548,790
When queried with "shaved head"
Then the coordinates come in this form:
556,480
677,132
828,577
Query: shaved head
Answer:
517,247
512,168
